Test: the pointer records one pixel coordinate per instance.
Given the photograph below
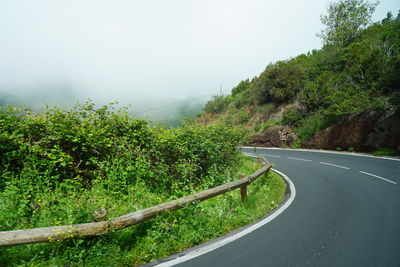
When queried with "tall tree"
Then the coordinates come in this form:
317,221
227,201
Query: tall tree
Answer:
345,19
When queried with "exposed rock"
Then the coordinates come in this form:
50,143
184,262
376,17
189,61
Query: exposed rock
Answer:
275,136
364,132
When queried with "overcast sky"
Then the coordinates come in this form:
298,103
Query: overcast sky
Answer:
115,49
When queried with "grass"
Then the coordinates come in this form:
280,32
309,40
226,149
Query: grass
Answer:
158,237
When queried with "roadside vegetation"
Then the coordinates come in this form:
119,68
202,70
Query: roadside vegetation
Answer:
386,152
357,70
61,166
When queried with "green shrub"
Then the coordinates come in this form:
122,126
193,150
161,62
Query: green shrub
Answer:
69,143
307,126
297,144
60,166
242,116
268,124
216,105
385,152
290,116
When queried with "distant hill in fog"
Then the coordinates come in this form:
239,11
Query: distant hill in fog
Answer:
164,110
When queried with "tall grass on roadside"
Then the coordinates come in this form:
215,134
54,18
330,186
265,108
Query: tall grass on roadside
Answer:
161,236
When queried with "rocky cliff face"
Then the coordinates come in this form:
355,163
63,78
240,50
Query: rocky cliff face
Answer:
275,136
364,132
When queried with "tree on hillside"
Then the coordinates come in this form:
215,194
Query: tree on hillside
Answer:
345,19
216,105
243,85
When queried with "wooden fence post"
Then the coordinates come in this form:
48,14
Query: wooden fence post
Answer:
100,215
243,189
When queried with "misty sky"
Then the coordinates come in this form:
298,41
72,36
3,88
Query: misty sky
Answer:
107,50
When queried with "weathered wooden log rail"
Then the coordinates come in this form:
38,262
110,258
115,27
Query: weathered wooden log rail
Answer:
48,234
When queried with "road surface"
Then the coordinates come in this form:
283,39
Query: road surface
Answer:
346,213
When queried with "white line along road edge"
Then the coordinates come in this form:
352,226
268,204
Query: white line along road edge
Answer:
229,239
322,151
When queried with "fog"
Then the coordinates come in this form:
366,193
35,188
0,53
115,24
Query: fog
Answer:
148,53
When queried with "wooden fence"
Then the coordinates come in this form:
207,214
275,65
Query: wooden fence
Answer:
48,234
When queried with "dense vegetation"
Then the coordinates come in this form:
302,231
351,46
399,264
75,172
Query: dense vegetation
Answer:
357,69
61,166
69,152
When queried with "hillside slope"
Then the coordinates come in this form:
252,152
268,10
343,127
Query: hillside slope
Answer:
343,96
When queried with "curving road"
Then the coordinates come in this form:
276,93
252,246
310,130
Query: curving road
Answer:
346,213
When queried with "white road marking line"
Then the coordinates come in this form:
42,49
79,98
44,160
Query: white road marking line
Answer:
379,177
322,151
203,250
308,160
334,165
272,156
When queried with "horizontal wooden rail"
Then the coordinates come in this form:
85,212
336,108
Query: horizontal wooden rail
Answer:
48,234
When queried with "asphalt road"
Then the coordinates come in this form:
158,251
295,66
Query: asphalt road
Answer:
346,213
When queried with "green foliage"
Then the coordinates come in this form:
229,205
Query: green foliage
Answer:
194,152
72,143
60,166
386,152
279,82
243,116
242,86
265,109
297,144
315,92
268,124
358,70
290,116
345,20
237,117
307,126
216,105
136,245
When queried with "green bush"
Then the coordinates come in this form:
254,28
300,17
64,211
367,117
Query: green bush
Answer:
385,152
60,166
268,124
216,105
87,155
290,116
195,153
307,126
67,144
